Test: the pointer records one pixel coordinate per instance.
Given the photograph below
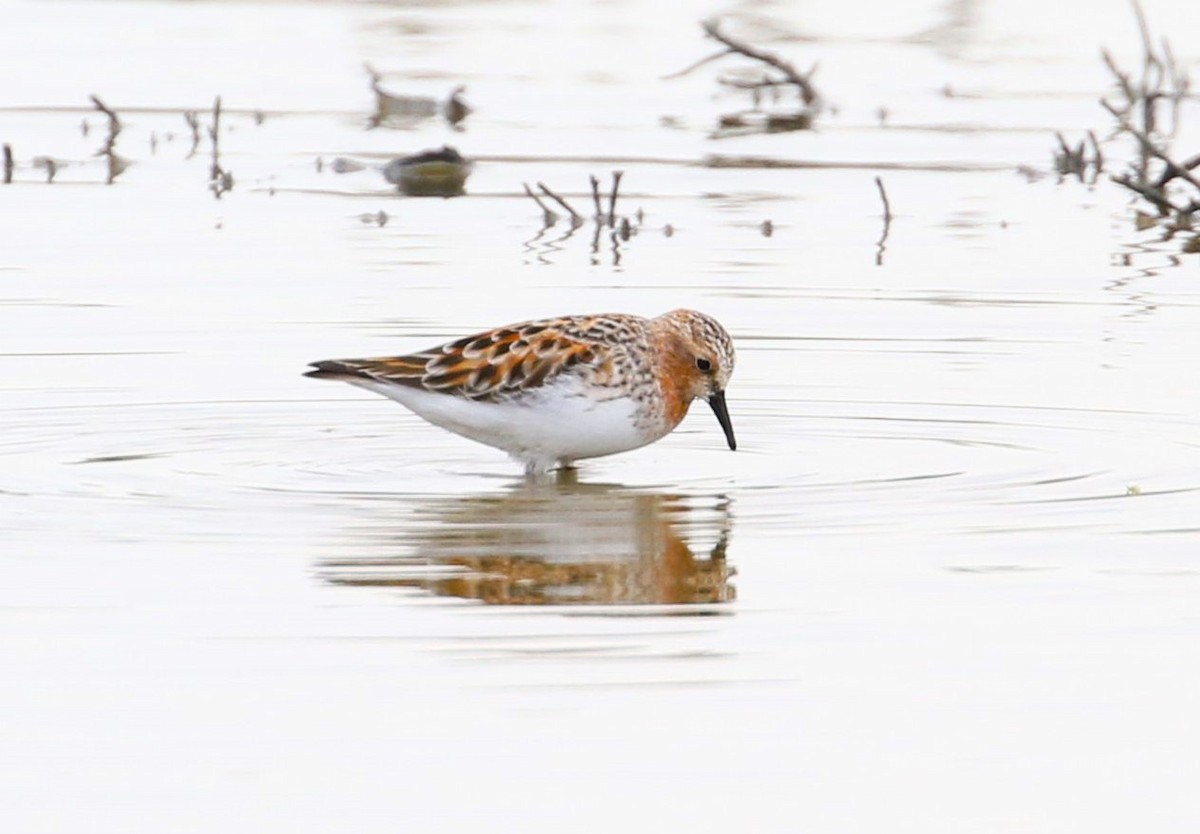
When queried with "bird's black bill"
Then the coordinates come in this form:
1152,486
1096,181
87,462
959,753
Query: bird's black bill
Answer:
717,401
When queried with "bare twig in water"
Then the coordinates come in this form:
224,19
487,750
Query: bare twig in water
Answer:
777,75
115,164
881,244
549,216
1150,149
1178,169
612,197
1097,154
887,207
49,164
595,183
802,81
193,123
695,66
114,124
219,180
1154,175
1154,196
374,74
606,222
1071,160
576,218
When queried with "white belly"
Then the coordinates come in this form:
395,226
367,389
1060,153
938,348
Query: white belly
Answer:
559,422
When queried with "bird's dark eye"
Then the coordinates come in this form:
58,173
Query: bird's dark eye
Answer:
703,364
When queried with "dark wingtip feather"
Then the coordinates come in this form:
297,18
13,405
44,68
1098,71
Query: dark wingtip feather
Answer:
329,369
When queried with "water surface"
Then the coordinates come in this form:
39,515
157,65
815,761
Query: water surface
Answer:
948,582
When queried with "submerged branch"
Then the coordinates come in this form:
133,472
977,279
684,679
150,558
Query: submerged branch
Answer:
576,217
612,197
802,81
549,216
881,244
219,180
115,164
695,66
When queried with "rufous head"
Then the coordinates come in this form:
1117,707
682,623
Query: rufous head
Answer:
708,350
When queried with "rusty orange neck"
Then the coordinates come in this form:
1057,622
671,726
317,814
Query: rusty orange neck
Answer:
676,375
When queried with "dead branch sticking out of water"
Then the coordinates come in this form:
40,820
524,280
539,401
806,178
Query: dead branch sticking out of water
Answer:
595,183
50,164
612,198
1155,175
601,216
1155,189
1076,161
620,229
115,163
219,180
881,244
801,81
778,76
8,164
576,217
193,123
549,215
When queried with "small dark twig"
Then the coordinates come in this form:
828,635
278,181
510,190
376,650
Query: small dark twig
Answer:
114,124
1155,196
219,180
1137,114
775,74
1149,59
612,197
1173,169
1097,154
8,163
1176,170
49,164
576,218
887,207
802,81
697,65
1122,77
881,244
595,183
214,134
376,78
549,216
115,164
193,123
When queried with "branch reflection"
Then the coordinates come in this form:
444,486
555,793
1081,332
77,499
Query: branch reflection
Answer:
555,544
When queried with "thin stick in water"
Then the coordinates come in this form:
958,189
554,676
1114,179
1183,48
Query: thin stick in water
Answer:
549,216
612,197
576,219
596,197
881,244
887,207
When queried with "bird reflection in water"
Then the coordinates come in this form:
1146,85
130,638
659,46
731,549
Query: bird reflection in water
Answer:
556,544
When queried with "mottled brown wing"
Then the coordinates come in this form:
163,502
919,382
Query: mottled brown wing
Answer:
495,364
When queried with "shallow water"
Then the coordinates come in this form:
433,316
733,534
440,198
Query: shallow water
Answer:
948,582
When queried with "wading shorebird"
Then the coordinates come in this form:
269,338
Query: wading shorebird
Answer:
554,391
